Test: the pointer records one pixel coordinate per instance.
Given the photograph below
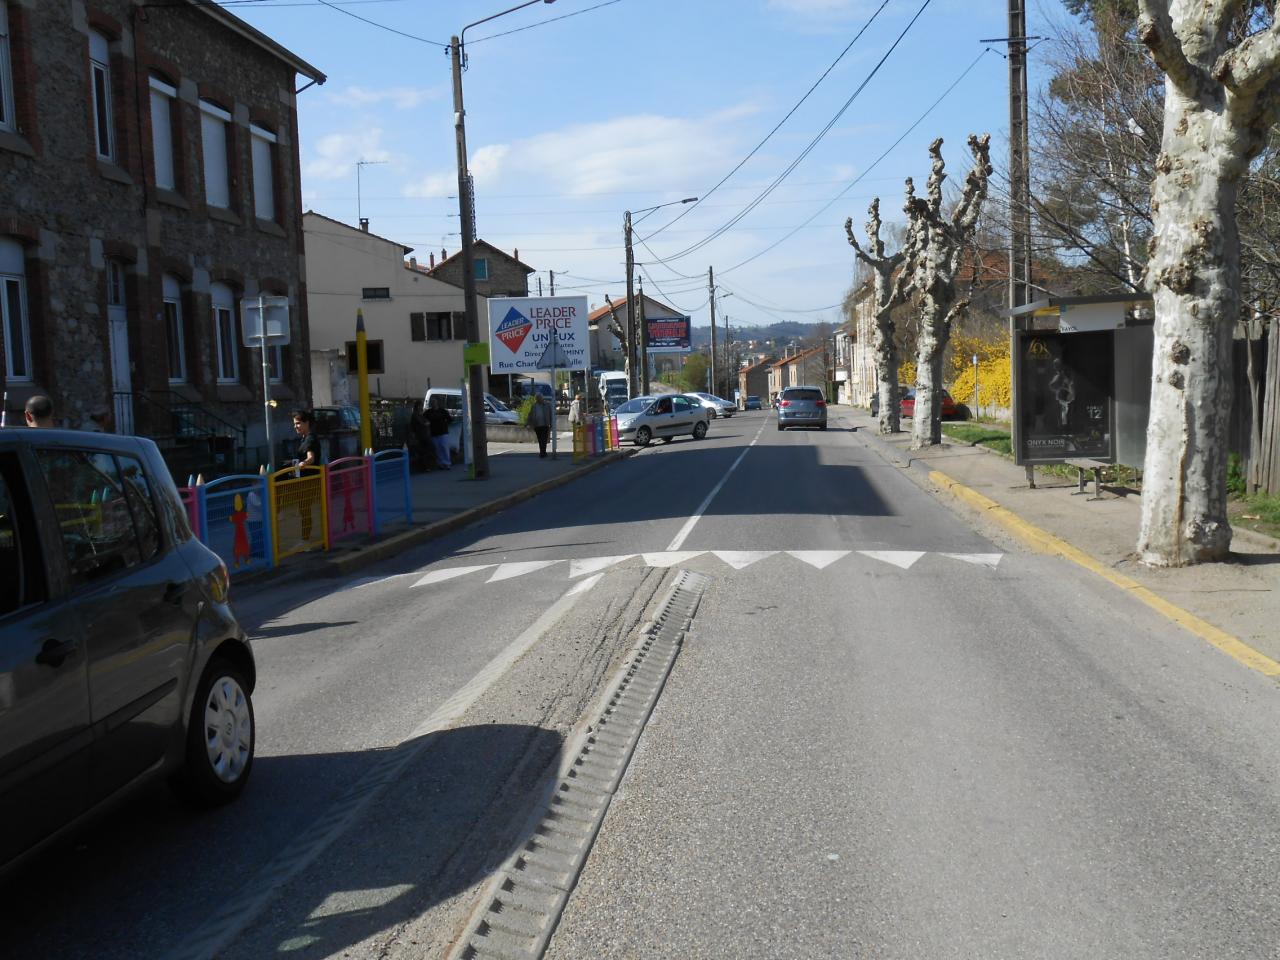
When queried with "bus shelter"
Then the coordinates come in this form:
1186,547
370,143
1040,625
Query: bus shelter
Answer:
1081,381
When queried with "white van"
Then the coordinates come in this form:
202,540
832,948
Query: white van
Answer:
495,411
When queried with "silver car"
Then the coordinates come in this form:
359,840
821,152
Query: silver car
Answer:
643,419
716,406
802,407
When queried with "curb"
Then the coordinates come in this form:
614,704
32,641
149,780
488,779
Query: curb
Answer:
1052,545
398,543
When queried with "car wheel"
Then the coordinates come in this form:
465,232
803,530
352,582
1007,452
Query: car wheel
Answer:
699,430
220,737
822,426
781,427
643,436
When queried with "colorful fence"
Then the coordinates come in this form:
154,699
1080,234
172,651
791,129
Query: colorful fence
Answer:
595,436
254,521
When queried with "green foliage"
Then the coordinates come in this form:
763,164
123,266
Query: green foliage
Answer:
1235,476
693,375
523,407
980,436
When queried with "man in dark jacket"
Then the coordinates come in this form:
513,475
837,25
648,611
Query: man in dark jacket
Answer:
437,418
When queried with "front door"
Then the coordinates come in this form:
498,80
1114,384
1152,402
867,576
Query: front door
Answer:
686,411
118,332
44,692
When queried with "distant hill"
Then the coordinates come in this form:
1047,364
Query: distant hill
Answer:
787,330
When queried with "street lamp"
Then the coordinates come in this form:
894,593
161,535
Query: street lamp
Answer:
466,210
633,383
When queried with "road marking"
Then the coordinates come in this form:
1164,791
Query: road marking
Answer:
819,559
1046,542
506,571
687,529
740,559
989,560
577,568
439,576
670,557
583,586
899,558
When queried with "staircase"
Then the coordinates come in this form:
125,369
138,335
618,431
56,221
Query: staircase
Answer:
194,438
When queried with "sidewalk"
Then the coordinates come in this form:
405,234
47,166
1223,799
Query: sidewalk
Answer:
1228,604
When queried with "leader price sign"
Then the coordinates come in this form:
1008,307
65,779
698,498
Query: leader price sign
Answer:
538,333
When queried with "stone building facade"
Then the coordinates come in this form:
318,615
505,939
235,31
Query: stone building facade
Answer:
149,180
498,274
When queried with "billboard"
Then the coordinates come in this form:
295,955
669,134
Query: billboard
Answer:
1064,396
669,334
527,334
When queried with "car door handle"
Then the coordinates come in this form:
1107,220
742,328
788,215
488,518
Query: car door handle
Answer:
174,592
54,652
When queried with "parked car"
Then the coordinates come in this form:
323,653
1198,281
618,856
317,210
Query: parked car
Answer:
645,418
753,403
339,431
120,657
716,406
950,410
495,411
802,407
875,399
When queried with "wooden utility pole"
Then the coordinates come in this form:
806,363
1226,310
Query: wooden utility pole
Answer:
643,326
711,287
1019,160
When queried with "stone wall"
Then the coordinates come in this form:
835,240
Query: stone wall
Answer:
74,212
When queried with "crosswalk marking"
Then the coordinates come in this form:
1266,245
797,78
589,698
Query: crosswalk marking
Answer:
582,586
989,560
578,568
740,559
669,558
506,571
819,559
899,558
439,576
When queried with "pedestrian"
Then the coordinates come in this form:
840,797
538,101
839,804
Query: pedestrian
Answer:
437,419
540,418
309,455
421,435
39,412
576,410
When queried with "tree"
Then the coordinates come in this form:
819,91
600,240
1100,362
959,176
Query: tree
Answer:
888,294
694,373
1221,97
931,258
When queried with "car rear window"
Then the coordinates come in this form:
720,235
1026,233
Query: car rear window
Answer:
802,394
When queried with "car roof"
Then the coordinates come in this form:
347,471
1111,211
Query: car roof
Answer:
25,436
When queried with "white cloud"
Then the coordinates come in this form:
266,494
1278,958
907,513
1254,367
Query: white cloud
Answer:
334,156
402,98
645,152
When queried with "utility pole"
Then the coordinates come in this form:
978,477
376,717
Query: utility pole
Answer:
728,360
479,434
641,321
552,273
632,384
1019,160
539,286
711,288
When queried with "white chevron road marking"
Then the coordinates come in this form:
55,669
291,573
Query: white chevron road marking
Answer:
582,586
440,576
819,559
740,559
506,571
899,558
578,568
989,560
669,558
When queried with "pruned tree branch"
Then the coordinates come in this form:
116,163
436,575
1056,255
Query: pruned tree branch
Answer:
1155,29
1252,64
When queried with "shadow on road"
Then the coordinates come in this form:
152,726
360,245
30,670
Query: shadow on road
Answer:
142,881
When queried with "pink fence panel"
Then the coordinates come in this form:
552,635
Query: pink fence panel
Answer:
192,504
350,496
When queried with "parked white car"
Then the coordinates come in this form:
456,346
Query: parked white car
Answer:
646,418
718,406
495,411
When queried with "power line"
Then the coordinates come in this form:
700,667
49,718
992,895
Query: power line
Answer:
856,180
382,26
720,231
543,23
756,148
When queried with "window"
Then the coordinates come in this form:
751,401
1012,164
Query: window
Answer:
162,98
106,527
100,80
174,329
213,139
264,194
13,312
6,73
482,268
373,353
440,326
224,332
375,293
23,581
275,364
417,326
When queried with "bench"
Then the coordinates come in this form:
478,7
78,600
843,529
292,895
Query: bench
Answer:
1083,465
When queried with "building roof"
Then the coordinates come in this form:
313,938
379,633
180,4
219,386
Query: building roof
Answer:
357,230
488,246
234,23
621,304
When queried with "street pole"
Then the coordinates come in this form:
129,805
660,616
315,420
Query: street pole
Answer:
728,360
632,385
642,322
480,464
711,291
1019,161
552,274
362,383
266,383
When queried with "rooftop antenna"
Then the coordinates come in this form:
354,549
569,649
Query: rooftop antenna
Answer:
362,163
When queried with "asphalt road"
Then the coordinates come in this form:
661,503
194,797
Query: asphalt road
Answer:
890,735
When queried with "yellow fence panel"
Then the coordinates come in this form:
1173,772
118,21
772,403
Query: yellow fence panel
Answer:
299,511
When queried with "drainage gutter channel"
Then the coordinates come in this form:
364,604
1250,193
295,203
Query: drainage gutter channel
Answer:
524,901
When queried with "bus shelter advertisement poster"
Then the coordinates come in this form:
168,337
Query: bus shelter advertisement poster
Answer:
669,334
538,333
1065,396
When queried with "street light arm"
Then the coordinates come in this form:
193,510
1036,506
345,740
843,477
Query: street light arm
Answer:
527,3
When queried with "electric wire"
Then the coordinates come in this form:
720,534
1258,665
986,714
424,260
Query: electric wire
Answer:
543,23
776,128
720,231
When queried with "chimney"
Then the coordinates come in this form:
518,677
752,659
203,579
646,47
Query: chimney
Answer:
364,224
433,261
515,254
444,254
413,263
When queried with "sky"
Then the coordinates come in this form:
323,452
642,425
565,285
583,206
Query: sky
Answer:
591,108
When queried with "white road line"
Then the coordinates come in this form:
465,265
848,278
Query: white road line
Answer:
687,529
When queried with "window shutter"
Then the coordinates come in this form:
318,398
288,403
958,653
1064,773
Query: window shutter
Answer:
417,326
162,137
213,136
459,325
264,195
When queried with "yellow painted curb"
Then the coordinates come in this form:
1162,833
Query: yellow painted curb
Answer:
1055,546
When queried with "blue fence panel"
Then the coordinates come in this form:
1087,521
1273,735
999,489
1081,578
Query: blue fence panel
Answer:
234,521
392,496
